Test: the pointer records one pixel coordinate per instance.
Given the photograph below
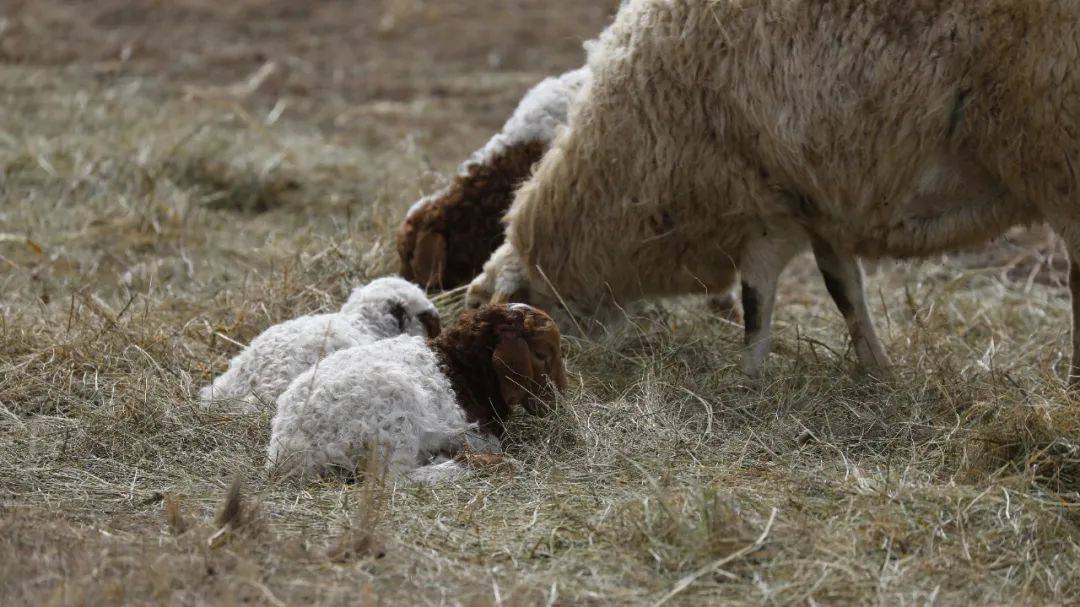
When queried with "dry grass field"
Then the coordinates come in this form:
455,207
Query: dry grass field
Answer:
176,175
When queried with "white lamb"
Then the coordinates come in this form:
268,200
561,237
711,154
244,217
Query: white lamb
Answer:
384,308
417,400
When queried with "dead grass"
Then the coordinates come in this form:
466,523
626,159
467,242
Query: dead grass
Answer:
147,227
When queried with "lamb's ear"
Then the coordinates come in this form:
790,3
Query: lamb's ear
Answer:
429,258
512,360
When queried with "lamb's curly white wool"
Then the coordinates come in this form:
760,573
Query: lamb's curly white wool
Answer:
391,393
419,402
384,308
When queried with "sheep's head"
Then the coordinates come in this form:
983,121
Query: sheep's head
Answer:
506,279
501,357
528,358
446,236
393,306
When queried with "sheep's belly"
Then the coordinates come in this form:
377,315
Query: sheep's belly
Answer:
953,203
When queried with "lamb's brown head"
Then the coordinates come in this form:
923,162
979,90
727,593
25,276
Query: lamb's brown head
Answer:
499,357
528,357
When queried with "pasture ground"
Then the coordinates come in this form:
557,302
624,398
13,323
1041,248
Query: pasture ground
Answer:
175,176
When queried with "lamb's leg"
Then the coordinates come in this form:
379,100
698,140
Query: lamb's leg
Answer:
844,279
762,262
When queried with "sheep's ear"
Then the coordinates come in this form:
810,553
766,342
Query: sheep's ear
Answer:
405,250
429,258
512,360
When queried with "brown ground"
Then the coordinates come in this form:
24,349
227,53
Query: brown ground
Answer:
175,175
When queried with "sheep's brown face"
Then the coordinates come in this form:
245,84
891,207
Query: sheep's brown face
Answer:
529,362
545,344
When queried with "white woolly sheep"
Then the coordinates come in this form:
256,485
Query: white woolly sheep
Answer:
418,400
714,134
446,236
385,307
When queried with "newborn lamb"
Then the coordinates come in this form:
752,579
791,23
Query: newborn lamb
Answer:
384,308
418,400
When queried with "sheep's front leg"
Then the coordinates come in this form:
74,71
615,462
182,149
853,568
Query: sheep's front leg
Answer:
762,263
843,276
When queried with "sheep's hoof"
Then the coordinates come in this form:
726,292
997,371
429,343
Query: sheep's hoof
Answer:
880,373
877,366
1074,382
753,370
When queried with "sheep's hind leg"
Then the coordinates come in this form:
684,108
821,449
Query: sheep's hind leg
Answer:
844,279
1068,230
1070,233
1071,236
763,260
1074,289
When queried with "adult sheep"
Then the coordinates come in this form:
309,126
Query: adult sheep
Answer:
719,135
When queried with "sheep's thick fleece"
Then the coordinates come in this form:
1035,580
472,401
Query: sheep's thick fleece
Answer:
878,127
392,394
